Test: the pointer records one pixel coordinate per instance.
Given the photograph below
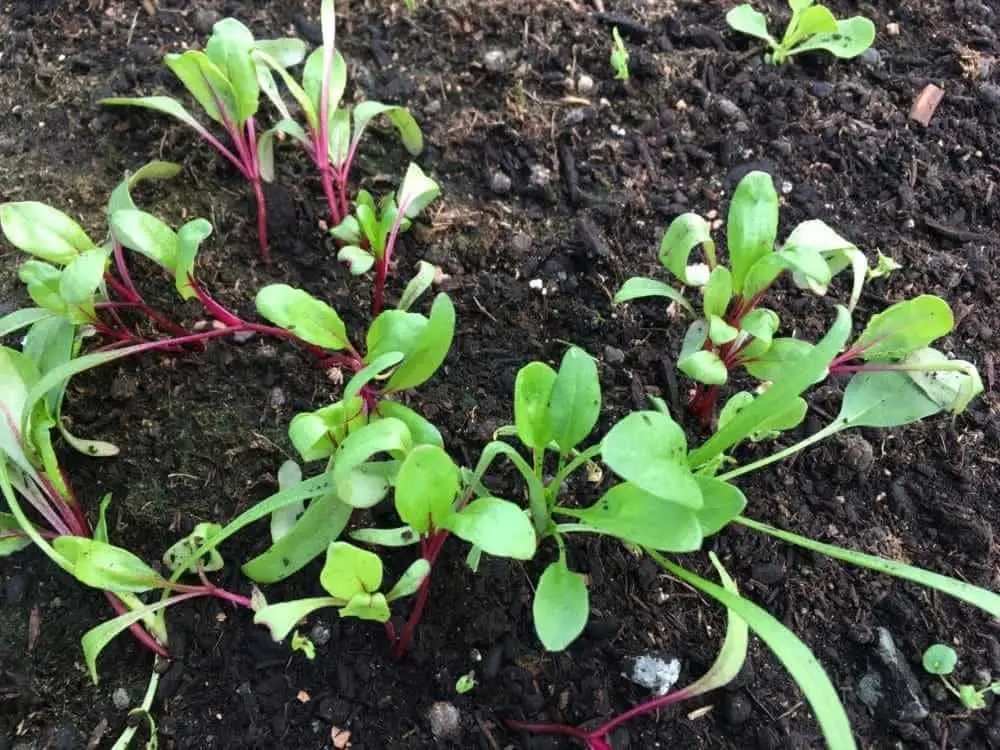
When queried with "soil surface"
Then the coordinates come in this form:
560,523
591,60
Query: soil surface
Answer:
551,171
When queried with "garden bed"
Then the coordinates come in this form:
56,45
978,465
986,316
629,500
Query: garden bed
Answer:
535,186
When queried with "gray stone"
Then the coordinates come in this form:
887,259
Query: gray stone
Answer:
120,699
728,108
889,688
871,57
445,721
499,182
613,355
495,60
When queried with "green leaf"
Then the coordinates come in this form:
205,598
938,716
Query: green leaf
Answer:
744,19
762,324
904,327
12,538
43,231
180,555
705,367
426,488
853,36
371,607
638,288
270,89
315,435
496,526
720,332
349,231
288,52
805,262
320,524
307,317
752,225
281,618
561,606
205,81
95,639
80,279
884,399
575,400
722,502
355,487
339,138
402,536
789,384
421,430
367,374
952,386
147,235
312,79
350,570
189,239
683,235
420,283
940,659
780,357
785,417
416,191
162,104
811,20
394,331
791,652
532,389
649,449
978,597
632,514
229,48
718,291
105,566
971,698
410,581
121,197
401,119
22,318
431,348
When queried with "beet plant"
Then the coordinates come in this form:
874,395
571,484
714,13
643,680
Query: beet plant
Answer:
224,81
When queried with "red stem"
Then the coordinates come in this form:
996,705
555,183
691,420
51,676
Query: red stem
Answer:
141,634
429,550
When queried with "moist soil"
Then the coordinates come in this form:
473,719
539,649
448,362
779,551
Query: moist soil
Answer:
575,193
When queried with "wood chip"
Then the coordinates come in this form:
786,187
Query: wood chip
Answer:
926,103
34,628
303,696
341,738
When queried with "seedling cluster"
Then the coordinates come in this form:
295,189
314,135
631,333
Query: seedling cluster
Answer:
657,490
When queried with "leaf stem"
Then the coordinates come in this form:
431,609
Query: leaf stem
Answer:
831,429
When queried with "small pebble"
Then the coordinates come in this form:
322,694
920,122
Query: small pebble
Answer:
320,634
613,355
655,673
203,20
584,84
540,176
821,88
871,57
445,721
499,182
495,60
120,699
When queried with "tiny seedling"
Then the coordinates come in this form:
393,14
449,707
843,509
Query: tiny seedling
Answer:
884,265
811,27
941,660
224,80
466,683
619,56
304,644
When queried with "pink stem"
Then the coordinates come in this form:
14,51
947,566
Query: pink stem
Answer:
141,634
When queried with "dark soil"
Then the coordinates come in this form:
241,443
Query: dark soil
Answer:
592,190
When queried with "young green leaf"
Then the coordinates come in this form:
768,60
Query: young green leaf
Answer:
320,524
43,231
26,316
410,581
105,566
205,82
80,280
350,570
180,555
532,389
121,197
752,225
561,606
810,20
683,235
698,363
316,435
376,369
884,399
12,538
394,331
402,120
762,324
904,327
639,288
720,332
744,19
416,190
229,48
402,536
496,526
354,486
632,514
146,234
420,283
304,315
952,386
575,400
722,502
426,488
281,618
421,430
649,449
718,291
785,417
189,238
373,607
95,639
782,355
852,37
430,350
163,104
940,659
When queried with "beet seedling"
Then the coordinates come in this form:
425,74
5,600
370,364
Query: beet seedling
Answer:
224,81
941,660
619,56
811,27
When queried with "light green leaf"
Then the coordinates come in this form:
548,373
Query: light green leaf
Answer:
394,331
430,351
532,389
401,119
410,581
762,324
853,36
561,606
350,570
12,538
939,659
628,512
105,566
422,430
420,283
43,231
367,374
267,85
744,19
95,639
718,291
904,327
80,279
426,488
720,332
804,261
785,417
752,225
722,502
146,234
649,449
884,399
575,400
705,367
22,318
780,357
638,288
811,20
359,489
180,555
189,239
288,52
416,190
312,79
163,104
281,618
496,526
952,386
304,315
402,536
371,607
683,235
229,48
121,197
205,82
316,434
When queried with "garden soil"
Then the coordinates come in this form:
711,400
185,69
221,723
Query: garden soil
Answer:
555,176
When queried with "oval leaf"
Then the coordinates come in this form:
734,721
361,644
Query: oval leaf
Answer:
304,315
43,231
561,606
532,390
496,526
426,488
575,401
